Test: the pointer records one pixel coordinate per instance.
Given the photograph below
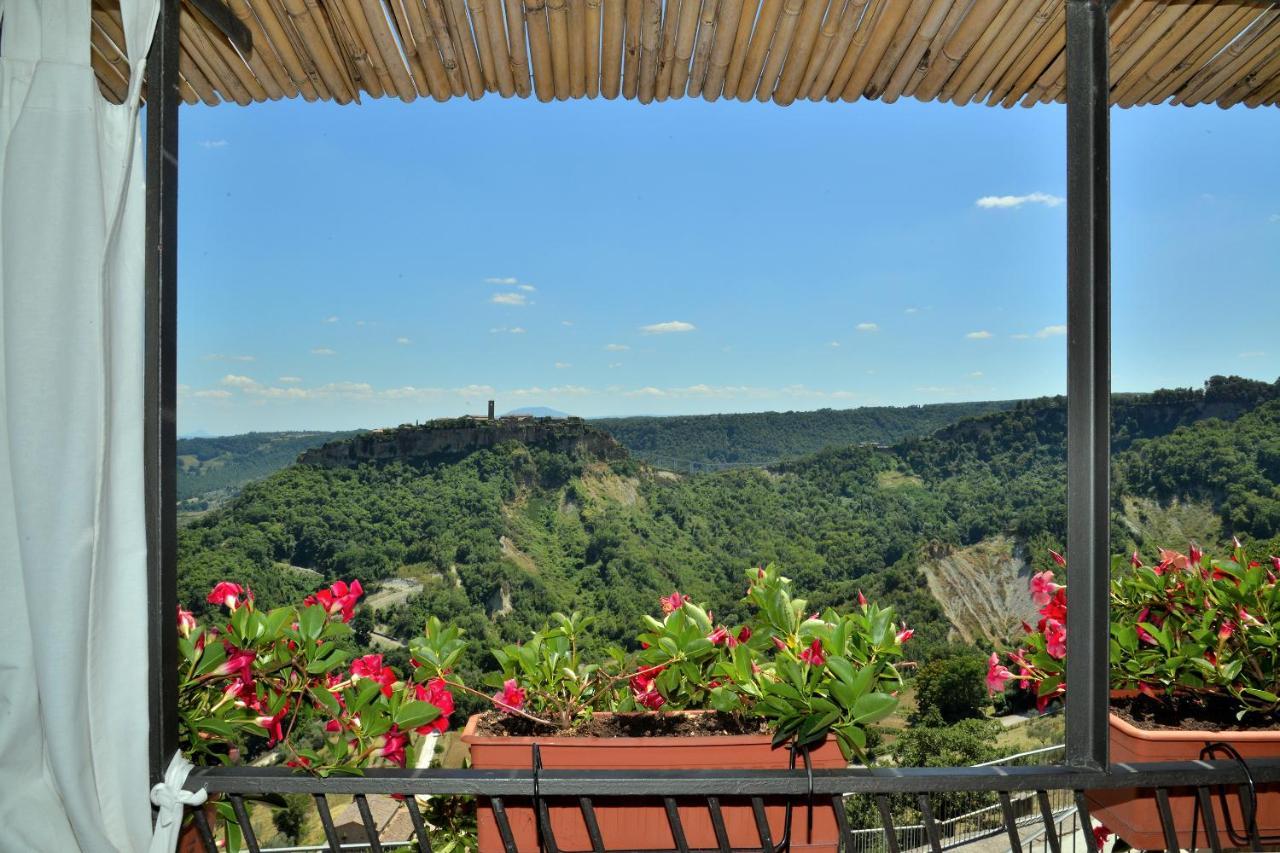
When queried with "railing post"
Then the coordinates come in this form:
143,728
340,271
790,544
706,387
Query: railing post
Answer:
161,385
1088,381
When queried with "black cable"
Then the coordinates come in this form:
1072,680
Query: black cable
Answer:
1210,752
784,845
537,797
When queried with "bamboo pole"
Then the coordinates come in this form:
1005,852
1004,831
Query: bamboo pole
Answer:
738,54
426,51
780,49
650,33
1014,19
1040,52
215,67
1265,94
877,45
195,77
611,48
981,48
107,64
324,28
516,31
205,69
1175,46
1211,47
708,27
1241,50
1142,47
1242,70
958,10
1009,53
558,17
1256,78
686,33
800,56
535,12
827,31
912,56
453,66
464,44
956,47
593,46
903,35
289,46
263,59
230,56
857,45
577,48
478,14
753,65
352,34
836,51
667,49
631,44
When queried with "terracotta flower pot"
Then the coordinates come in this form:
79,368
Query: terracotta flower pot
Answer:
1132,814
625,826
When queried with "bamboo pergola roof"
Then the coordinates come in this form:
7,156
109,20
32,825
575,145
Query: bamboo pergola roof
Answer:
1002,52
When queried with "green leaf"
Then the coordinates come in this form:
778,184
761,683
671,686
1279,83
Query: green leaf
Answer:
873,707
311,622
412,715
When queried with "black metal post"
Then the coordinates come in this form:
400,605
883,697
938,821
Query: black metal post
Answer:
159,415
1088,381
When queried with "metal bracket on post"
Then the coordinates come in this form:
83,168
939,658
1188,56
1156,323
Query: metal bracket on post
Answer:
1088,382
161,387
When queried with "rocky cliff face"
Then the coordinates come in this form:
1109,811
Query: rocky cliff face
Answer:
442,441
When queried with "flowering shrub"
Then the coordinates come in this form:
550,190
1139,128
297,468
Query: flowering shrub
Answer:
808,675
1186,624
288,677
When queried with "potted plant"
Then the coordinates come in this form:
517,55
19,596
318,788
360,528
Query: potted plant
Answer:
697,694
1195,659
285,680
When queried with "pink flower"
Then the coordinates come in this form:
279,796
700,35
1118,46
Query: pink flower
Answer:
1228,628
1055,639
370,666
1143,634
813,655
721,636
905,634
393,744
862,599
437,693
225,594
271,724
1135,560
780,644
673,602
997,674
1275,563
338,598
1194,557
1043,588
1147,690
744,633
644,689
239,662
511,698
1246,618
333,726
186,622
1057,558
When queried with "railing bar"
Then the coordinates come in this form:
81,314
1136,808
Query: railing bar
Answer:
206,834
842,823
717,823
544,820
246,827
762,825
1210,822
1050,824
370,828
677,828
504,825
1090,843
886,821
326,820
930,825
1166,818
593,826
1010,823
1246,811
419,828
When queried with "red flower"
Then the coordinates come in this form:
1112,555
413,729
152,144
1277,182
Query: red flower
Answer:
1135,560
997,674
1143,634
225,594
370,666
1055,639
1101,835
1194,557
1057,558
437,693
862,599
813,655
1228,628
271,724
511,698
644,689
721,636
186,622
673,602
1147,690
905,634
1043,588
239,662
301,761
393,744
338,598
333,726
1275,563
744,634
780,643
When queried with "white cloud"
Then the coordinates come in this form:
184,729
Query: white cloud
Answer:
323,351
1275,217
834,344
527,288
990,202
977,374
1020,336
566,322
231,380
1253,354
212,394
509,299
616,347
289,379
213,143
562,365
614,364
978,336
648,391
911,311
668,327
333,318
217,356
403,341
1052,331
867,327
504,281
506,330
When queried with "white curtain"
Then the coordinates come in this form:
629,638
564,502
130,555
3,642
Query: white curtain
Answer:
73,642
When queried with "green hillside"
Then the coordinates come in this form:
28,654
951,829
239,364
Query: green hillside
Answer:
708,442
502,536
214,468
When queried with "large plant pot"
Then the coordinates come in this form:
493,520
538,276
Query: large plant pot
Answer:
625,826
1132,813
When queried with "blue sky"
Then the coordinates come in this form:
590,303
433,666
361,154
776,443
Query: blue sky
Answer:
373,265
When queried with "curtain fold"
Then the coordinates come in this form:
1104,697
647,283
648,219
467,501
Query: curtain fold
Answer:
73,638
